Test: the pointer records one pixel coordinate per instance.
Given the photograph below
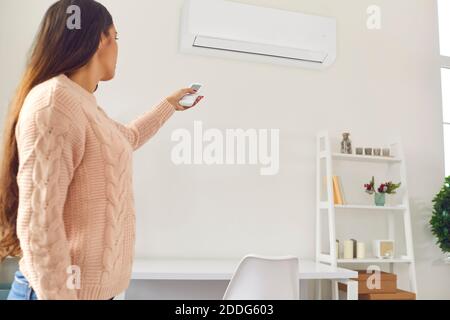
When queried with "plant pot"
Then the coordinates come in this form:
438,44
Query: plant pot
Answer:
380,199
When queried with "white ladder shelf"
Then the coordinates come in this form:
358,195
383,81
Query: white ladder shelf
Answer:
325,153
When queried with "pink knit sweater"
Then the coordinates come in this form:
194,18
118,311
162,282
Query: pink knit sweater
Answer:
76,219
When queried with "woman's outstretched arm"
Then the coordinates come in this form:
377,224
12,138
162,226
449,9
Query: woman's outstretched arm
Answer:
139,131
147,125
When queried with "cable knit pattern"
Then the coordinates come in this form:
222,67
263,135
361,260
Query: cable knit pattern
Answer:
47,241
118,172
75,191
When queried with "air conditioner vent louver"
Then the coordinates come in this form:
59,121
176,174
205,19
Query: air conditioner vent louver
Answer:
259,49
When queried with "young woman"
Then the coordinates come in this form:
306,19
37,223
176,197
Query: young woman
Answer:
66,200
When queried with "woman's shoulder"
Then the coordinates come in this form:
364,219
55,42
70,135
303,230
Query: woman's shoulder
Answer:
57,101
54,93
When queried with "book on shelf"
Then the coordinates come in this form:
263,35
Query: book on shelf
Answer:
341,189
337,191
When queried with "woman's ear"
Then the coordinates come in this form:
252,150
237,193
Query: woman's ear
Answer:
102,41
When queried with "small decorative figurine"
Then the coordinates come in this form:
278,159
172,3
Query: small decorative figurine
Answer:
346,144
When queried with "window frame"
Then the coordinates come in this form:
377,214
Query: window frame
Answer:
444,64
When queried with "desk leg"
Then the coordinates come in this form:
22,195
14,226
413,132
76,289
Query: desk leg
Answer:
334,290
352,288
318,292
304,290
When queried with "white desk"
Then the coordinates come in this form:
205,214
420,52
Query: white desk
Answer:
221,269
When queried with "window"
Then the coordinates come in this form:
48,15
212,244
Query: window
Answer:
444,37
444,26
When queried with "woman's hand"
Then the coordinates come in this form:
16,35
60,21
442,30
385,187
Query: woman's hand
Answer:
175,98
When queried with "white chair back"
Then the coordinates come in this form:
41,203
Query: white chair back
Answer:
265,278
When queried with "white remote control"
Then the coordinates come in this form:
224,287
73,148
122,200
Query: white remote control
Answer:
189,99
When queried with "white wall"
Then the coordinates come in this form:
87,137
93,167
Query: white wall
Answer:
384,84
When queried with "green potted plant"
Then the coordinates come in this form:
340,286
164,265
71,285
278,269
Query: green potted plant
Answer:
381,191
440,218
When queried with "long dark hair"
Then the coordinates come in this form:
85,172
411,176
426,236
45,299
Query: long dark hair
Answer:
59,48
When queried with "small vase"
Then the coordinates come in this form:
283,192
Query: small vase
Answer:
380,199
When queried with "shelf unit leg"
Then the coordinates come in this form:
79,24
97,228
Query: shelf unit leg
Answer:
407,219
412,277
330,199
318,195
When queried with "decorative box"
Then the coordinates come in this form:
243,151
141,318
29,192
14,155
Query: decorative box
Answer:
388,283
398,295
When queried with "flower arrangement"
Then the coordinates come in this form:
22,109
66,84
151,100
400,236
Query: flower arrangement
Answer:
381,191
387,187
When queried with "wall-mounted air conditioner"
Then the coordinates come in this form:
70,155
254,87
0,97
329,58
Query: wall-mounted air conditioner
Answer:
230,29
